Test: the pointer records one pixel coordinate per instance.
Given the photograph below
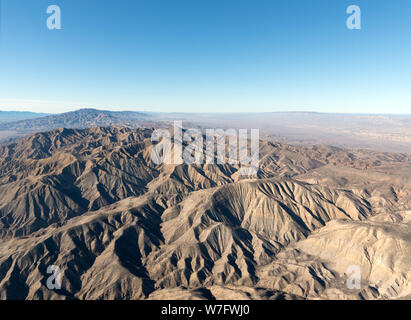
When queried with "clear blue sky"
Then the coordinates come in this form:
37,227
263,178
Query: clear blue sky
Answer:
206,55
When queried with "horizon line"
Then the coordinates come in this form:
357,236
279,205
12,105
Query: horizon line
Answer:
211,113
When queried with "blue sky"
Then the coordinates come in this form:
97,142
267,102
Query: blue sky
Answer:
206,55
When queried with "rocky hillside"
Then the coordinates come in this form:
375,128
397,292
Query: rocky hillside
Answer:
120,227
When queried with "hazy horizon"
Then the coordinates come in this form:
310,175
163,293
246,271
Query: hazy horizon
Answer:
17,109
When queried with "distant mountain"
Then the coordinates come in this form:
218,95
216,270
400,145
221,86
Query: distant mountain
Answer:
79,119
83,118
8,116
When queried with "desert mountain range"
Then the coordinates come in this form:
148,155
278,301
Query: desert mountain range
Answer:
91,201
385,132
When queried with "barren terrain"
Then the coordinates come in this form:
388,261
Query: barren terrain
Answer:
120,227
